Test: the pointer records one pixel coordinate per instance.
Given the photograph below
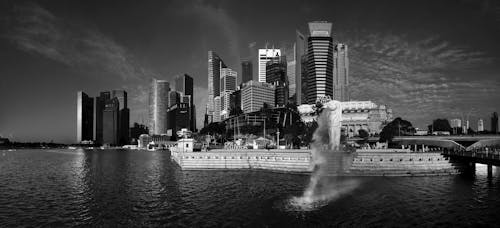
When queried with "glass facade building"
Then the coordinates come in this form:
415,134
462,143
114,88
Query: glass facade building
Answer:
319,61
341,73
158,106
84,117
264,56
246,71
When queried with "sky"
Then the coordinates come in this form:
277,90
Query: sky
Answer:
424,59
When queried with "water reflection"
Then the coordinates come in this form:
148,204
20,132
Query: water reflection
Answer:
142,188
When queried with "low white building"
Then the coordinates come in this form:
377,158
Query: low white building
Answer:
356,115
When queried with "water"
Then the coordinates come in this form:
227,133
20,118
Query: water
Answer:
140,188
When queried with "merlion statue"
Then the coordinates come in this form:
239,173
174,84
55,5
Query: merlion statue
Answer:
329,123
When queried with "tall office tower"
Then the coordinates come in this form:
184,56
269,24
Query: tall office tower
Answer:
289,54
254,94
174,98
178,118
264,56
99,104
246,71
228,80
110,122
300,50
466,126
225,100
84,117
217,109
276,75
158,106
340,73
494,123
319,61
215,64
123,116
480,125
184,84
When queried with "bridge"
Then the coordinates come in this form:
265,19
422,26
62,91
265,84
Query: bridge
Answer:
467,149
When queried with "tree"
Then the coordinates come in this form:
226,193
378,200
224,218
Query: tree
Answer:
363,134
396,127
235,111
440,125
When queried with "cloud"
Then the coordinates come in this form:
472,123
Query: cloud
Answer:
36,30
423,79
218,17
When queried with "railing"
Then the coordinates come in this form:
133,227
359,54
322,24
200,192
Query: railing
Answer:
493,154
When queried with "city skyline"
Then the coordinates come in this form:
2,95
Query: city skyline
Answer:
423,71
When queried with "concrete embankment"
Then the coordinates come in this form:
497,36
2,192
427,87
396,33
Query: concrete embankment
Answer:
374,163
277,160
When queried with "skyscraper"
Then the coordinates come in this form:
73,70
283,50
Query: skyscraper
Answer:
228,79
184,84
174,98
84,117
276,75
217,109
494,123
215,64
264,56
340,73
110,122
158,106
99,104
480,125
246,71
300,50
123,116
319,61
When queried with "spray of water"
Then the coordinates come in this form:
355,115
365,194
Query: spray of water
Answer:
326,146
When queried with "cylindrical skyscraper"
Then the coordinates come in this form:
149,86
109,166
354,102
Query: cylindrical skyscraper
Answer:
158,106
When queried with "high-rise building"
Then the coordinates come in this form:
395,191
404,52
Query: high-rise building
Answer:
494,123
184,84
255,94
99,104
228,79
217,109
300,50
225,100
84,117
276,75
110,122
215,64
319,61
178,118
246,71
158,106
123,116
174,98
290,70
340,73
480,125
264,56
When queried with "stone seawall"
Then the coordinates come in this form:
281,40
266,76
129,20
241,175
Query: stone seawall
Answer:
400,164
374,163
278,160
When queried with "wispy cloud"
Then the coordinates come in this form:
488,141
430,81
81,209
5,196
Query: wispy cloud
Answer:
36,30
419,79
